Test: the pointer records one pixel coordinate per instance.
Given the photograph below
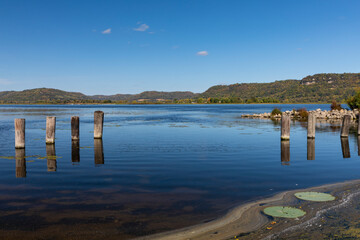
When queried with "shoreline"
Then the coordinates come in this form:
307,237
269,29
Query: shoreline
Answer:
247,221
57,104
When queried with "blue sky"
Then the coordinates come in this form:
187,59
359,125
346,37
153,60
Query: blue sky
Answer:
107,47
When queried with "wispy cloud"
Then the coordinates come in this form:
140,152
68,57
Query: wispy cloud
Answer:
202,53
142,28
5,81
106,31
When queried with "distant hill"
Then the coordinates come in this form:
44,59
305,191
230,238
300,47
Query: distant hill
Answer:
50,95
40,95
324,87
149,95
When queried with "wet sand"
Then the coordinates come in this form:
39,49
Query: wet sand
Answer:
248,222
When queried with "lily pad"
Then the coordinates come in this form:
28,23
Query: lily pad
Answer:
285,212
315,196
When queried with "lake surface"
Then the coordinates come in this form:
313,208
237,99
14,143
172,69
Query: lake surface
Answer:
158,167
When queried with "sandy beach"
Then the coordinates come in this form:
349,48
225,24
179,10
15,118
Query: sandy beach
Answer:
248,222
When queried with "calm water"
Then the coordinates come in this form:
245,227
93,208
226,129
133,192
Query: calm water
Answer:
158,167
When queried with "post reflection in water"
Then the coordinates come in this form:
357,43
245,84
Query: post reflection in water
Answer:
285,152
75,151
345,147
311,149
358,142
98,151
20,165
51,157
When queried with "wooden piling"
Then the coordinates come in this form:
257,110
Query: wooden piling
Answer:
19,133
359,124
311,149
285,127
75,151
50,130
98,151
285,152
51,157
75,128
20,165
345,126
311,125
345,147
98,124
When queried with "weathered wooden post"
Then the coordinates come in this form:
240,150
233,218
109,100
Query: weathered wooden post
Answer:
345,147
75,151
285,127
51,157
98,151
75,128
19,133
345,126
50,130
98,124
311,149
359,124
20,165
311,125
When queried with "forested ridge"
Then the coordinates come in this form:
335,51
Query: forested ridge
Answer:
318,88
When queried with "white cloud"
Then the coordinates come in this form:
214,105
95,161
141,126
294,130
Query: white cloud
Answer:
202,53
142,28
106,31
5,82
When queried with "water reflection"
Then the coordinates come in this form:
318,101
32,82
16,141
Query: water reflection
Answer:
358,142
20,165
75,151
285,152
311,149
51,157
98,151
345,147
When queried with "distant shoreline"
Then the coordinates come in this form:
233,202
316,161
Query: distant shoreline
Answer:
109,104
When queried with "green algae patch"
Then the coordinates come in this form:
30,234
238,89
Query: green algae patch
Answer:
315,196
284,212
7,157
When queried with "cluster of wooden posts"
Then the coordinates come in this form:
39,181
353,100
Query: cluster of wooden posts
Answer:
98,146
50,142
51,126
285,137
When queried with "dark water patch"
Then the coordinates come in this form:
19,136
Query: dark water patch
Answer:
20,221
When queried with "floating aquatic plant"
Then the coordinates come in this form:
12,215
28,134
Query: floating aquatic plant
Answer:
315,196
285,212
